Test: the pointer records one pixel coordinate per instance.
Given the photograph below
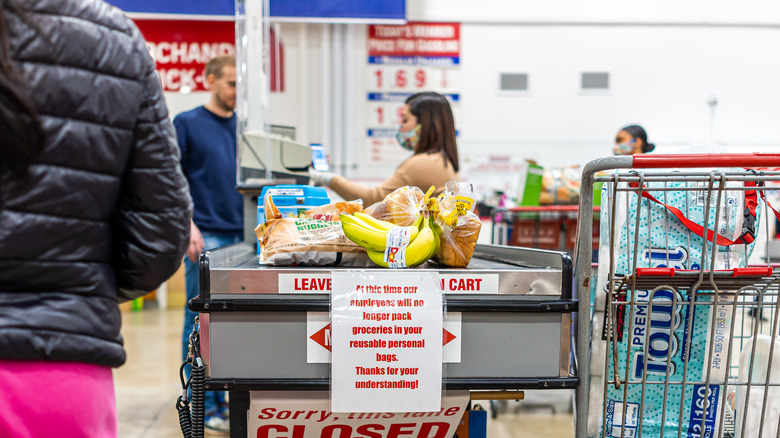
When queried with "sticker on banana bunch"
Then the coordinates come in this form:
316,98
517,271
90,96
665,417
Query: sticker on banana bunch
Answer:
397,241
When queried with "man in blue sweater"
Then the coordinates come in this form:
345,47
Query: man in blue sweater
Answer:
207,139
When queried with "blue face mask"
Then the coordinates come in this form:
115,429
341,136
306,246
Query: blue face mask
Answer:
408,139
624,148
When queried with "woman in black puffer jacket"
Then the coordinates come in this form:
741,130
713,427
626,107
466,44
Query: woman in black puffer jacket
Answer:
94,209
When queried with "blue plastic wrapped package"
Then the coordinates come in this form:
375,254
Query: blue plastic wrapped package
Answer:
654,334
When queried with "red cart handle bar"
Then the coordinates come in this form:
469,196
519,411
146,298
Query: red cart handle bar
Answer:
669,161
736,272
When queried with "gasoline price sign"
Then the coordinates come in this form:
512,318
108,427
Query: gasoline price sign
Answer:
402,61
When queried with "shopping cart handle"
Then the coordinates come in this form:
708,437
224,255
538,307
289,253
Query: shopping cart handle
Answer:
660,161
655,272
752,272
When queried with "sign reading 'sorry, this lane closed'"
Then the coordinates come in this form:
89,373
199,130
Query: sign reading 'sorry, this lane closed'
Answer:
387,342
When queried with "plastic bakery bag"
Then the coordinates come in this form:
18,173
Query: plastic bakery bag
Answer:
402,206
460,226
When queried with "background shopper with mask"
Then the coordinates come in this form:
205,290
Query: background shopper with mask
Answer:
428,129
632,140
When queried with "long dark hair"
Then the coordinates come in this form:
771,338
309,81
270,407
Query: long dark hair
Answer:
20,128
637,131
437,132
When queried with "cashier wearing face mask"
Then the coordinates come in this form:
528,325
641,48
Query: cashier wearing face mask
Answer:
427,130
632,140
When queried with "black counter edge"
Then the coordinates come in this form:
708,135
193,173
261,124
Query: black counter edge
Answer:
320,305
462,383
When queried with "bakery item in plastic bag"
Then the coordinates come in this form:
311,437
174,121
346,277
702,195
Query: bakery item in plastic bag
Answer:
402,206
460,226
457,246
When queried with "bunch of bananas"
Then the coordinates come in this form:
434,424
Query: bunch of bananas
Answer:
391,246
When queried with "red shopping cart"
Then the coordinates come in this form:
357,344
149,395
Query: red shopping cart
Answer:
551,227
681,336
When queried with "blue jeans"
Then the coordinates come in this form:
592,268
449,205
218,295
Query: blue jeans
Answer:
215,400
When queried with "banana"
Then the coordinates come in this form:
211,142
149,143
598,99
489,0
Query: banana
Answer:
370,238
418,252
436,229
377,257
362,234
418,222
433,247
374,222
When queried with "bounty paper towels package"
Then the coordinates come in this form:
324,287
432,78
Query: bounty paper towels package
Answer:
663,338
665,241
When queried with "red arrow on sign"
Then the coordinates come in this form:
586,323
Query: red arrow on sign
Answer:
322,337
447,337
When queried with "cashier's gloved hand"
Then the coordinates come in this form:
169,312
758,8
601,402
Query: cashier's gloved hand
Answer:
320,178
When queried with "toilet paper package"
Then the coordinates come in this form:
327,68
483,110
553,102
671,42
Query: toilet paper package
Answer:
663,325
657,343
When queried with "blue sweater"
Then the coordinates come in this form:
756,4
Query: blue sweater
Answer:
208,159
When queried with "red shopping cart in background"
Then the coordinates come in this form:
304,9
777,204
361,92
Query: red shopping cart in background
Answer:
545,227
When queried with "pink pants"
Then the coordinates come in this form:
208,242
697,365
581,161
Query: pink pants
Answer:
62,399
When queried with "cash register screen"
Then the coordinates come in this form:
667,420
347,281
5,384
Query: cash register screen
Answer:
319,159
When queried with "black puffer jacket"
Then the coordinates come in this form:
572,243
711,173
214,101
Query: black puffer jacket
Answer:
104,216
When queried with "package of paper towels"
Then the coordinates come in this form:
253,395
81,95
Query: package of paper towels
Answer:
662,334
665,338
663,241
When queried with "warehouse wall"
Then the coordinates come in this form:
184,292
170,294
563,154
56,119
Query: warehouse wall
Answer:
748,12
665,62
660,76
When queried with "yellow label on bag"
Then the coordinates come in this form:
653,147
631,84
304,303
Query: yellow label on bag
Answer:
451,219
463,205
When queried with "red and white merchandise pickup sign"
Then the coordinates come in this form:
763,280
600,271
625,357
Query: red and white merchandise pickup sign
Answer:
293,414
312,283
181,49
387,342
319,339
